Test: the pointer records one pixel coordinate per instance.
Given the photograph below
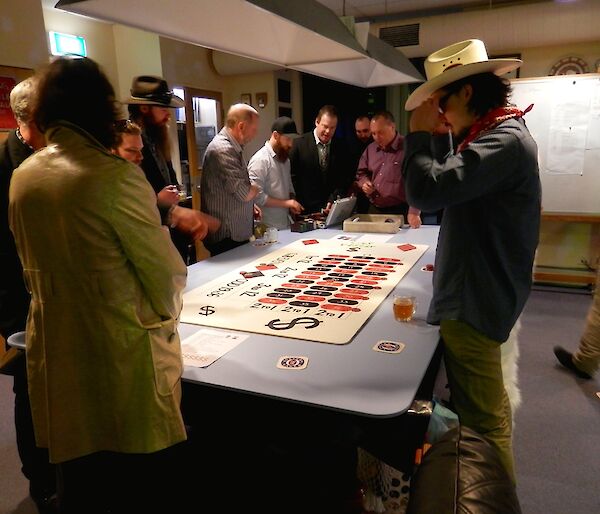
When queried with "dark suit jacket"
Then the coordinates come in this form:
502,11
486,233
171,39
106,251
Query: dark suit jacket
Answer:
314,188
14,298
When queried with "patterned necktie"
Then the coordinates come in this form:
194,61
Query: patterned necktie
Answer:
323,155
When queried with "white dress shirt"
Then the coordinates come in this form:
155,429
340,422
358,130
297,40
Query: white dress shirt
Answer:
273,179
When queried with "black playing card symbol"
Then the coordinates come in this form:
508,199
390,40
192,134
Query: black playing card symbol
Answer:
277,324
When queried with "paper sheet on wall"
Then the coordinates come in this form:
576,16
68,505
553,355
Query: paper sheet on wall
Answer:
206,346
593,135
569,128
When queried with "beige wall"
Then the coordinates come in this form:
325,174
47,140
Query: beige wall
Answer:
98,38
537,62
254,83
137,53
189,65
23,41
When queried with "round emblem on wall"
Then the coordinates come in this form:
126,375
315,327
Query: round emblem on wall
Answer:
570,66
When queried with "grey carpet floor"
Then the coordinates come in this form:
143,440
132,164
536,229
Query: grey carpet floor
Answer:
557,435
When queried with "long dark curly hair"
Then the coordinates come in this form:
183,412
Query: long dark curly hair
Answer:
76,90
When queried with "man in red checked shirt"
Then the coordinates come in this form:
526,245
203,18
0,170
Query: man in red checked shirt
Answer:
379,172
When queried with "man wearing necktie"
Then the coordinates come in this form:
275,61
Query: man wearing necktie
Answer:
379,172
319,164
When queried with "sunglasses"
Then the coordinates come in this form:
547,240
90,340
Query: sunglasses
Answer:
443,101
123,124
126,127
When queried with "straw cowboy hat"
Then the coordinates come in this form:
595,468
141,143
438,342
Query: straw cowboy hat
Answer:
455,62
150,90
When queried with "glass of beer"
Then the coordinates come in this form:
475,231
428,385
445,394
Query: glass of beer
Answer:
182,192
404,307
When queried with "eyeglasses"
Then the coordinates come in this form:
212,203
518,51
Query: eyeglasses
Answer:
123,124
443,101
127,127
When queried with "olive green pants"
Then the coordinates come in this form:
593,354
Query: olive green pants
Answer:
587,356
474,369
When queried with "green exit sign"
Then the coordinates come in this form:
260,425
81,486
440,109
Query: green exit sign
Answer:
67,44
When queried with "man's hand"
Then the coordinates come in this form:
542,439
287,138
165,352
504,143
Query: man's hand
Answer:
427,117
294,206
167,196
252,192
257,213
195,223
414,220
368,188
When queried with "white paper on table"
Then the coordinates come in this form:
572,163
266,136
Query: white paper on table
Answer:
375,238
206,346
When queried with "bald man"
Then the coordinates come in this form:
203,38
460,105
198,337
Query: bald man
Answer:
226,192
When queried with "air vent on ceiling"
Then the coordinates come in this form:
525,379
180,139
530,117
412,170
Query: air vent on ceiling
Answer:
400,35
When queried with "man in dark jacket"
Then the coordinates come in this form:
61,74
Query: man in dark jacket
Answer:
150,106
319,164
490,190
14,298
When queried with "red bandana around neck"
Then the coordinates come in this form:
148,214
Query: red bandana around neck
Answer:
491,120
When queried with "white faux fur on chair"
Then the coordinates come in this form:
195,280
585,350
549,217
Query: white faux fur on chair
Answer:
510,368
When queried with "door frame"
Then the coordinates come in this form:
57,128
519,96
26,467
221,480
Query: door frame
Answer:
195,166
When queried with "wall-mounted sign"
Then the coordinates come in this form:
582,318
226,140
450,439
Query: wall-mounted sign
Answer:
7,120
261,100
67,44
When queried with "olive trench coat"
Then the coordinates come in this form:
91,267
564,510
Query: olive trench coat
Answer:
103,353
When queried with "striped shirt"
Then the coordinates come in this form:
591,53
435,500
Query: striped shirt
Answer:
224,187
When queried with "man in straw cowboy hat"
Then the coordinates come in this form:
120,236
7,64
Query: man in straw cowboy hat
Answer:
489,186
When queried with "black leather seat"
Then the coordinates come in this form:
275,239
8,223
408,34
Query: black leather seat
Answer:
462,473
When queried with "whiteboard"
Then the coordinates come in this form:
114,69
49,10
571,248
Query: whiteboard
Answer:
565,123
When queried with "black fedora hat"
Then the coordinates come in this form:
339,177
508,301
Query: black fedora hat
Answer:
151,90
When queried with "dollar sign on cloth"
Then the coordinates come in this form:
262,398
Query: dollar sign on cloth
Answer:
277,324
207,310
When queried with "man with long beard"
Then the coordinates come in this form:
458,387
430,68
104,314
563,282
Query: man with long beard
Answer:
269,170
150,106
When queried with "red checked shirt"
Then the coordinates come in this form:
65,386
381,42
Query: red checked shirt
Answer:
383,167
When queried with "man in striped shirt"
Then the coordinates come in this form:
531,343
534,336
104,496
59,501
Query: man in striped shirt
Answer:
226,192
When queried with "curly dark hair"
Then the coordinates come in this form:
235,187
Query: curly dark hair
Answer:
489,92
76,90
